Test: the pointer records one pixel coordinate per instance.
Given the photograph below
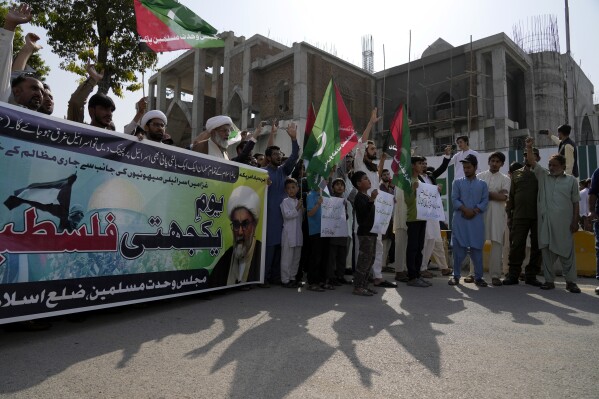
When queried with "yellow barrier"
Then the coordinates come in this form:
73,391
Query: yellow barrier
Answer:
584,245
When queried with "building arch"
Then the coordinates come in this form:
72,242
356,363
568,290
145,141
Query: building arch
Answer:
236,107
586,132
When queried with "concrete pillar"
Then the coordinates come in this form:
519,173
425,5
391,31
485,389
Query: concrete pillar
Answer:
300,89
500,110
177,92
246,90
152,96
529,93
197,110
161,94
481,95
229,44
216,64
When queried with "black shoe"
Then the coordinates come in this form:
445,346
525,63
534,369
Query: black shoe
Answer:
454,281
533,281
547,286
597,290
510,281
481,283
573,288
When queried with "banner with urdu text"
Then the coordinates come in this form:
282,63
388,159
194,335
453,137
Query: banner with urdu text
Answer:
91,219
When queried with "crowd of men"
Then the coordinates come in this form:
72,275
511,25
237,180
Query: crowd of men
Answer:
531,204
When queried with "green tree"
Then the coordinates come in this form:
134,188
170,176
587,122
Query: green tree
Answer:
103,31
35,61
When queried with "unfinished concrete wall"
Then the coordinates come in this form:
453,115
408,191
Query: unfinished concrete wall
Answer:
580,101
549,86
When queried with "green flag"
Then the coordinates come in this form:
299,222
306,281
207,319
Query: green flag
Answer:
401,164
323,147
166,25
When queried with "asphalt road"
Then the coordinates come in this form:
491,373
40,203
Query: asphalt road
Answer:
438,342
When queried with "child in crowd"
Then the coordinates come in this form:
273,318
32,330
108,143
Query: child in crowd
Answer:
318,245
337,245
364,206
292,239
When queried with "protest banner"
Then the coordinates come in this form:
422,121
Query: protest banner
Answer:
428,203
383,206
91,218
333,220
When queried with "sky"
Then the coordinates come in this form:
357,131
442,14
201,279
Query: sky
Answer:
338,27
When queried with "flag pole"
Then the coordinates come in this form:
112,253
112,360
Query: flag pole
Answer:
409,59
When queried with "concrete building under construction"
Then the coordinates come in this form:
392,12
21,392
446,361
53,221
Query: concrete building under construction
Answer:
493,89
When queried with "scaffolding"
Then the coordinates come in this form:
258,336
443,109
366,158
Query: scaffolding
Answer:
537,34
443,115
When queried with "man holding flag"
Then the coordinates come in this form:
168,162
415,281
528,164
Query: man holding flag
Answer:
406,169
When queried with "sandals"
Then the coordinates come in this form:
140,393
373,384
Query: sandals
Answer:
361,292
315,287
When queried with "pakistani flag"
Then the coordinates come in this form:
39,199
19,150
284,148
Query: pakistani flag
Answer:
323,147
166,25
347,134
401,164
234,135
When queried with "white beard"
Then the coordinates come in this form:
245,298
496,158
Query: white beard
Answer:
239,251
219,141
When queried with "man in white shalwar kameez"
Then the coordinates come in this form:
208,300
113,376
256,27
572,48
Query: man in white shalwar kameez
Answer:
495,216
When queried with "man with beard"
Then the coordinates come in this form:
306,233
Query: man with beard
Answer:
47,106
557,208
241,262
100,108
277,173
27,91
214,140
154,125
521,209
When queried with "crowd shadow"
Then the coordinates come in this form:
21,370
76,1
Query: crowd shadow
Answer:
279,338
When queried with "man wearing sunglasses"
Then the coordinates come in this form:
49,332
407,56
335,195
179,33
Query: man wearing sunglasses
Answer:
241,262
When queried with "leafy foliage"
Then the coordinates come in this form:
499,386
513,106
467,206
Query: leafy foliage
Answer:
35,61
100,31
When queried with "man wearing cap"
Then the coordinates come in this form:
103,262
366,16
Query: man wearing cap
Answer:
214,140
100,108
567,148
470,198
241,262
557,208
154,125
521,209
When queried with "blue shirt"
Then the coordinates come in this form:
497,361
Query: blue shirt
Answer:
314,220
276,195
472,194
